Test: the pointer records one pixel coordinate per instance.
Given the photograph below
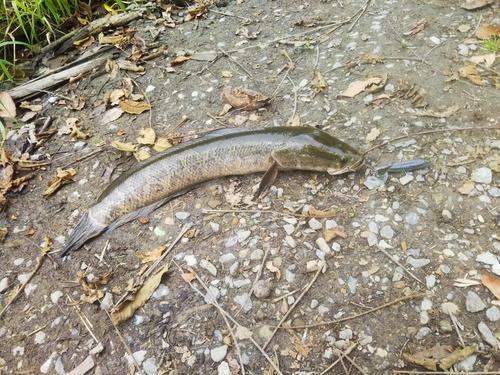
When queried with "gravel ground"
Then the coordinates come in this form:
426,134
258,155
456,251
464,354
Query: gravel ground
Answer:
317,251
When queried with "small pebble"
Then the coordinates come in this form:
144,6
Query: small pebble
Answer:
182,215
467,364
387,232
244,301
482,175
487,258
412,218
422,332
243,235
345,334
218,354
208,266
315,224
262,289
405,180
4,284
257,254
446,216
474,303
493,313
417,263
323,245
487,335
445,326
223,368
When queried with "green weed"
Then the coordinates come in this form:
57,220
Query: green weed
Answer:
492,44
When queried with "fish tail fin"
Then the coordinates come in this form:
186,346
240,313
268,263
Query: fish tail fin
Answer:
86,229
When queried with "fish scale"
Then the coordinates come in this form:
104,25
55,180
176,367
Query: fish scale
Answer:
226,152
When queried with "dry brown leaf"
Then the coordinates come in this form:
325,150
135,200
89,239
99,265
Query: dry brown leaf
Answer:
320,214
301,347
245,99
128,147
111,115
419,26
3,231
431,113
371,84
295,120
188,277
63,176
485,32
470,72
115,96
330,234
7,105
196,12
6,178
310,21
486,60
270,266
370,58
372,135
133,107
380,100
428,363
318,82
92,293
111,39
31,107
147,136
492,283
127,309
179,60
476,4
151,256
494,162
242,333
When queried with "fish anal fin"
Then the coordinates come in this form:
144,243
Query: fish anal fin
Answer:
268,179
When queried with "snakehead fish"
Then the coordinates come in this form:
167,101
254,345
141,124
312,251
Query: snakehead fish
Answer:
226,152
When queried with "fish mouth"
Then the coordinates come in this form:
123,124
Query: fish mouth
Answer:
348,168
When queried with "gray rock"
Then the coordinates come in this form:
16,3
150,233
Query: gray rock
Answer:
223,369
487,258
373,182
482,175
107,301
257,254
231,241
208,266
149,366
244,301
4,284
412,218
138,356
80,145
352,283
345,334
417,263
422,332
182,215
243,235
493,313
430,281
445,326
289,228
474,303
398,274
214,294
315,224
487,335
227,258
218,354
387,232
262,289
446,216
467,364
494,192
323,245
373,227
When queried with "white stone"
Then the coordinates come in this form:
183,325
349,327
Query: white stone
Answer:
482,175
219,353
487,258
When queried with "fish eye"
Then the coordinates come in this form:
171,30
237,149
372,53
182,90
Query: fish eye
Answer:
343,160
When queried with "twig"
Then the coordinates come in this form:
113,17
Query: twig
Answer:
402,299
484,67
433,48
152,268
237,63
360,15
454,320
95,152
430,132
229,15
23,285
299,298
347,351
215,119
401,265
295,98
342,354
86,322
477,26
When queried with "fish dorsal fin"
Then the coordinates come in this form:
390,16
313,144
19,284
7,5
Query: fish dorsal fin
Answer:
268,179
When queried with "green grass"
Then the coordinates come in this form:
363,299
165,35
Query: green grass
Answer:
492,44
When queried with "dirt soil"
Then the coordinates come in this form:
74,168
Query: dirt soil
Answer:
403,243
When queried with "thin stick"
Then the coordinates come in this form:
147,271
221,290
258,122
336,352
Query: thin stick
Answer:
206,210
454,320
152,268
229,15
86,322
23,285
360,15
95,152
342,354
402,299
295,92
347,351
401,265
306,289
430,132
237,63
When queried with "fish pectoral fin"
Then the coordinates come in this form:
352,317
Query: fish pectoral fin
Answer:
268,179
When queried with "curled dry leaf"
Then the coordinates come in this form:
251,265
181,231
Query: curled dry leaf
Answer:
371,84
486,60
476,4
456,356
134,107
485,32
470,72
334,232
245,99
179,60
7,105
151,256
63,176
380,100
271,267
417,28
370,58
142,155
466,187
128,147
111,115
162,144
313,212
372,135
492,283
318,82
494,162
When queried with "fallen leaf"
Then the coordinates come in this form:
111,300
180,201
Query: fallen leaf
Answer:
371,84
111,115
7,105
91,291
179,60
372,135
494,162
188,276
197,11
63,176
318,82
31,107
147,136
151,256
431,113
242,333
127,309
370,58
464,28
245,99
133,107
428,363
470,72
313,212
456,356
466,187
3,231
295,121
204,56
486,60
485,32
330,234
270,266
419,26
122,146
162,144
476,4
380,100
227,74
492,283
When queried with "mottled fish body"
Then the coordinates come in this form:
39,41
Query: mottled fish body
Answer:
153,182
